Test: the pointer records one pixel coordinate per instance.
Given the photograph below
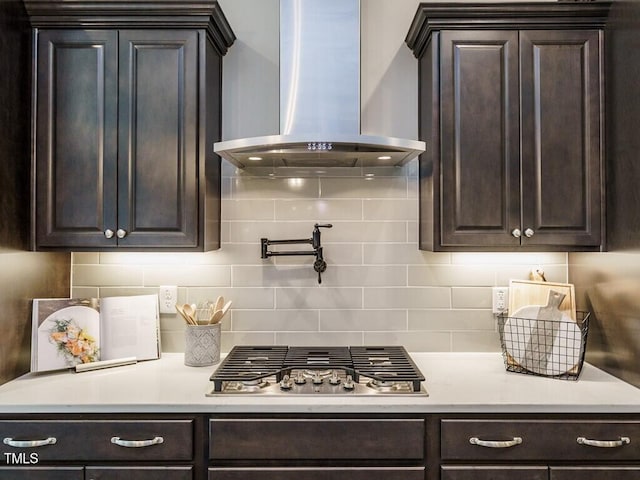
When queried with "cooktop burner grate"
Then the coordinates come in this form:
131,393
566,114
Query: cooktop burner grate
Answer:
249,364
318,357
386,364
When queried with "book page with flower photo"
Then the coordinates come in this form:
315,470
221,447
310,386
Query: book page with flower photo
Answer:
66,332
70,332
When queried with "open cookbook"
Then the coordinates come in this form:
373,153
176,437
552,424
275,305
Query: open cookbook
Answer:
74,331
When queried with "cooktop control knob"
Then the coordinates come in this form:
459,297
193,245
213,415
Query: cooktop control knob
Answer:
300,380
334,379
348,383
317,379
286,383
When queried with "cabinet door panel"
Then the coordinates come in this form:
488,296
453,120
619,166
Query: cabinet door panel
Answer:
80,440
42,473
595,473
561,131
139,473
158,138
536,444
309,439
493,473
324,473
479,138
76,144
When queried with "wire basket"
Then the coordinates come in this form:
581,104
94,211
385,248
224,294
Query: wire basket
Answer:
547,348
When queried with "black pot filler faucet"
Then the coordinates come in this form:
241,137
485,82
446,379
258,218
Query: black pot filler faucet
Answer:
319,265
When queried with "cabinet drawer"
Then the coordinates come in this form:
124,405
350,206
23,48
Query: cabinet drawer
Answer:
493,473
312,439
541,440
595,473
41,473
94,440
325,473
140,473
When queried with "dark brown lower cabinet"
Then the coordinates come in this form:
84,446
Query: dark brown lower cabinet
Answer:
537,447
494,473
595,473
101,448
326,473
139,473
42,473
317,448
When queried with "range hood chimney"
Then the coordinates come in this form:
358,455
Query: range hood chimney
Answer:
319,96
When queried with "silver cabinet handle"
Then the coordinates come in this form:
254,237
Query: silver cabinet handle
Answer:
120,233
108,233
516,232
528,233
495,444
604,443
137,443
29,443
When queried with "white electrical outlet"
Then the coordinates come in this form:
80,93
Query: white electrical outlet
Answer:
500,299
168,297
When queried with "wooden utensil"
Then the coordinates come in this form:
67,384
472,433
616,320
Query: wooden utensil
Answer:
219,303
184,315
190,312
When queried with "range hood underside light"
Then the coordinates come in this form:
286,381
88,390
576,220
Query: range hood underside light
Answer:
365,151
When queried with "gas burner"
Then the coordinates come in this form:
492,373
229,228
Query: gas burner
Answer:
284,370
390,386
251,386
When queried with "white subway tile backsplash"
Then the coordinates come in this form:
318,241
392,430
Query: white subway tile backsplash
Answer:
453,275
363,320
401,254
407,298
107,275
188,275
471,297
247,298
378,287
271,187
318,297
368,187
390,209
258,209
413,341
318,210
319,339
275,320
452,320
475,341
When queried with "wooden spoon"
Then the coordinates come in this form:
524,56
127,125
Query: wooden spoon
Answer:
219,303
190,312
184,315
217,316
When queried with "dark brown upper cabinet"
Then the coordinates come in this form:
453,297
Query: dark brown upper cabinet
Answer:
127,99
511,108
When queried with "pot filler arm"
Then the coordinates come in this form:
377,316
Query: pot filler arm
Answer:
319,265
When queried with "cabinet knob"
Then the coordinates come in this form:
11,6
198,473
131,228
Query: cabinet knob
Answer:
108,233
528,233
120,233
516,232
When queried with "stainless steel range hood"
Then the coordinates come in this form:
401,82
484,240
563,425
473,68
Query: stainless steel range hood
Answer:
319,96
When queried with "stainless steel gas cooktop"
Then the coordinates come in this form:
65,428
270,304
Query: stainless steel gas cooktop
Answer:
282,370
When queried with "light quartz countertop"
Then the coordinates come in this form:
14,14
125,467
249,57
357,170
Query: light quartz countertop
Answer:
456,383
